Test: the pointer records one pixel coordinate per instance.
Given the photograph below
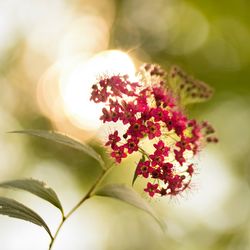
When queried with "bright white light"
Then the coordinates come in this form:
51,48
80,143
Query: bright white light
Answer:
87,35
75,86
212,188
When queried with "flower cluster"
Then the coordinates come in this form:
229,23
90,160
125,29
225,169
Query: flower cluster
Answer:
151,115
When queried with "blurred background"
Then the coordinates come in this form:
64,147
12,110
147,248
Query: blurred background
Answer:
51,52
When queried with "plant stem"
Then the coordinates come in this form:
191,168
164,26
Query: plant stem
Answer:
141,150
87,196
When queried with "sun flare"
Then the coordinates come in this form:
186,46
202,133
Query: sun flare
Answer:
75,86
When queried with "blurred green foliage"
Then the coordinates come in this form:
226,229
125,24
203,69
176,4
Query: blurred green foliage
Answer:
208,39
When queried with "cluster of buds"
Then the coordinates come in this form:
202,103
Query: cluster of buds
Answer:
155,127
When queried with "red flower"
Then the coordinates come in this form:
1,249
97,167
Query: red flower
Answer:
113,139
144,169
179,156
118,154
156,173
161,148
167,171
184,144
99,95
132,145
153,130
175,184
142,101
151,189
159,114
128,112
157,158
107,116
163,191
190,169
137,129
161,97
149,109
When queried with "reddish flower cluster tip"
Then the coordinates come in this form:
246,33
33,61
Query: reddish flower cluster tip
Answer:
152,116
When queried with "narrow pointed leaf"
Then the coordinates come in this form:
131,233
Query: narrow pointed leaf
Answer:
135,174
134,177
35,187
17,210
128,195
65,140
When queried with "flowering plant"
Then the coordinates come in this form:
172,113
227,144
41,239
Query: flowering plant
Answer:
151,111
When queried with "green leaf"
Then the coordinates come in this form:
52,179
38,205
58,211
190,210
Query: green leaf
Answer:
17,210
65,140
128,195
35,187
135,174
134,177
